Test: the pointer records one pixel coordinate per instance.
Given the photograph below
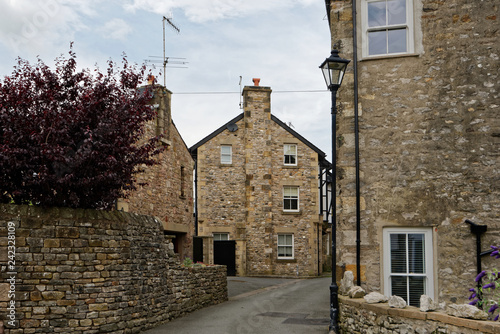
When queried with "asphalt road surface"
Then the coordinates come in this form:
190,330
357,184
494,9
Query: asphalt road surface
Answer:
261,305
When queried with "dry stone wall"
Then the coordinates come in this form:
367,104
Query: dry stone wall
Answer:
356,316
85,271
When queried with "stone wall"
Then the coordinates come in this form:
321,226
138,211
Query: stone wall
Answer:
429,127
86,271
356,316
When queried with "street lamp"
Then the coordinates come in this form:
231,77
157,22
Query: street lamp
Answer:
333,70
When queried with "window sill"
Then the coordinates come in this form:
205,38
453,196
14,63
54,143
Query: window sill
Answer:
389,56
293,213
290,166
286,260
226,165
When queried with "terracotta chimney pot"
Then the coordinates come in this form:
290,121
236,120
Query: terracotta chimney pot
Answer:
151,79
256,81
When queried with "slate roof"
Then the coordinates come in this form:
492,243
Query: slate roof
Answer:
321,154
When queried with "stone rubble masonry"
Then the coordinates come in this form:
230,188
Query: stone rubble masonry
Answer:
357,316
87,271
429,128
168,193
245,198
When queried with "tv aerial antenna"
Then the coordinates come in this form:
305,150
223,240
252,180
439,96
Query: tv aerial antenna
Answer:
241,102
168,60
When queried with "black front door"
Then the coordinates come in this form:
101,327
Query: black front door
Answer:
197,249
225,254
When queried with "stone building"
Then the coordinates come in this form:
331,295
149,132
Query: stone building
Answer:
257,184
424,84
168,193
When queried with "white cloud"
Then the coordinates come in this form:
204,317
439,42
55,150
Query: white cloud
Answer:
28,25
116,29
212,10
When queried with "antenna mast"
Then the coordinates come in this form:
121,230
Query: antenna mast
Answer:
165,60
241,102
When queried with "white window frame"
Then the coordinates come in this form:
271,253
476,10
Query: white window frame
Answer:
286,152
226,154
286,245
220,236
428,259
291,198
409,25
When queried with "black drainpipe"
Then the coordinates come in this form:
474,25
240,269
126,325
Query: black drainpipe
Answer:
356,143
478,230
196,195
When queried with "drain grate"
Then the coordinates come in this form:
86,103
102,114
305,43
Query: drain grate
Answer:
310,322
284,315
296,318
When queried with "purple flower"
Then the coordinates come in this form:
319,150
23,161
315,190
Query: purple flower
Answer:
496,318
489,286
495,252
480,276
474,302
473,295
493,308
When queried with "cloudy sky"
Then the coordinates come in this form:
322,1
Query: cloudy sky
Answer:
282,42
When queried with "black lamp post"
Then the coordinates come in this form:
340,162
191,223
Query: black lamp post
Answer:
333,70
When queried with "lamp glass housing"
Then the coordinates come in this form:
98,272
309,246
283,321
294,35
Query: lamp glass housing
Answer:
333,69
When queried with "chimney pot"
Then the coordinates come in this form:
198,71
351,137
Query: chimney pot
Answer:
151,79
256,81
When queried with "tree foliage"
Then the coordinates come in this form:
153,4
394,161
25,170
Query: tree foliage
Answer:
73,138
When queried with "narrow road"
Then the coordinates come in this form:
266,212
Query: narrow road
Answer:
291,306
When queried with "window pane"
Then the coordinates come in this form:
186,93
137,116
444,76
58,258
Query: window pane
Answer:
285,251
290,204
285,245
399,286
416,253
291,191
377,42
416,285
290,160
290,198
397,40
376,14
417,289
221,236
290,149
281,251
396,12
290,153
398,253
226,154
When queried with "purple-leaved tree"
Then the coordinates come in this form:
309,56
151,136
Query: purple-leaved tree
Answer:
73,138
